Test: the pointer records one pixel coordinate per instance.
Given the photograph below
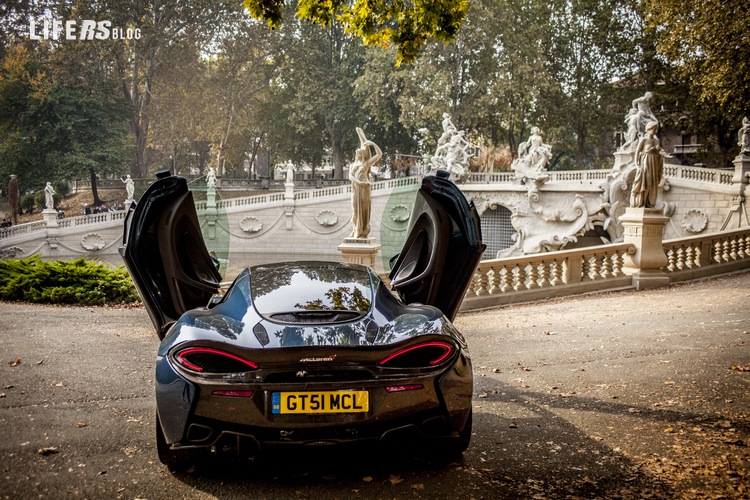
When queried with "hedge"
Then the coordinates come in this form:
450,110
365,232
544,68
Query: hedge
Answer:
80,281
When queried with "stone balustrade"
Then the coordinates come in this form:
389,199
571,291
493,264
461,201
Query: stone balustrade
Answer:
707,255
546,275
568,272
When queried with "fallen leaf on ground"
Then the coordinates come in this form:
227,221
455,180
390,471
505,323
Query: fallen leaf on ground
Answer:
15,362
743,368
48,451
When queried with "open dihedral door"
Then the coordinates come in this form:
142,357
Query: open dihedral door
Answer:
442,249
164,252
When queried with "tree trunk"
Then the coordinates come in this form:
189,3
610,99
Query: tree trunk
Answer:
94,190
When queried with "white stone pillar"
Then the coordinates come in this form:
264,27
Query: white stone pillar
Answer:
644,228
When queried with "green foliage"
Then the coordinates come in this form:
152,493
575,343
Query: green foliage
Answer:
709,42
405,25
27,202
81,281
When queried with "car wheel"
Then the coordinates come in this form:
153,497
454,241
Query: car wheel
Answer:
176,460
464,437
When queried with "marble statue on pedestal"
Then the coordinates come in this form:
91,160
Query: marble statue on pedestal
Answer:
451,153
638,116
743,136
211,178
366,156
129,187
533,157
49,197
650,169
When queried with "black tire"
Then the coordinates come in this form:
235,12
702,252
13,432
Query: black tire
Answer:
464,437
176,460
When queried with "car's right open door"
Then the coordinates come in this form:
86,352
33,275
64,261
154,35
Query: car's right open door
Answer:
442,249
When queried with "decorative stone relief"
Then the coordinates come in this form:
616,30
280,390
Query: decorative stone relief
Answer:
400,213
251,224
93,242
327,218
695,221
10,252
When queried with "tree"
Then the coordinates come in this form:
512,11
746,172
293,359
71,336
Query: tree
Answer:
709,43
407,25
313,89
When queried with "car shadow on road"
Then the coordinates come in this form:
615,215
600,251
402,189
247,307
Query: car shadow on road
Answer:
520,449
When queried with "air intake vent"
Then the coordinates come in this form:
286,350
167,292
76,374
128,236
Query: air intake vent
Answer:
316,317
261,334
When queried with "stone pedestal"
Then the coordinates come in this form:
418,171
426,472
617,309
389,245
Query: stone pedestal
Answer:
211,212
741,169
644,227
50,217
360,251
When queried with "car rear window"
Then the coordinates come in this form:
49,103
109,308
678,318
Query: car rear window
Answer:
310,287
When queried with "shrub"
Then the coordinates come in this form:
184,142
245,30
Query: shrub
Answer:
81,281
26,205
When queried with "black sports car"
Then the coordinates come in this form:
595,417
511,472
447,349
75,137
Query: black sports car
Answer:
305,353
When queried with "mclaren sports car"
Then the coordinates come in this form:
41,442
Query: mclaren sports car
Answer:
305,353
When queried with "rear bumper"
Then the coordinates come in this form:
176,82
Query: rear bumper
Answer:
192,417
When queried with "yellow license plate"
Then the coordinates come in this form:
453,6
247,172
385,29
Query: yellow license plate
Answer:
314,402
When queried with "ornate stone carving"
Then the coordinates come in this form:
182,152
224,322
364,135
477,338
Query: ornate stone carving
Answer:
327,218
400,213
93,242
251,224
695,221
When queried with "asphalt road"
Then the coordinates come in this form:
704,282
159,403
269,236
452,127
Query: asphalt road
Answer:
615,395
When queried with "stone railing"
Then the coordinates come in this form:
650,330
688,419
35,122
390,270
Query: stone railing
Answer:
21,229
699,174
568,272
67,222
707,255
546,275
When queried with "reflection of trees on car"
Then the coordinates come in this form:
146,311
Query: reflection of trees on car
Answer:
339,299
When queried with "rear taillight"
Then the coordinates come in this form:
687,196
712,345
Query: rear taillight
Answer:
208,360
419,356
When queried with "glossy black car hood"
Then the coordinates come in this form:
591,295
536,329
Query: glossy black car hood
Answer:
236,320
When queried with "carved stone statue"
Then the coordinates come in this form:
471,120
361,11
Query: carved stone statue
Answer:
289,172
631,137
454,155
648,176
49,197
743,136
359,174
211,178
129,187
533,157
643,112
449,130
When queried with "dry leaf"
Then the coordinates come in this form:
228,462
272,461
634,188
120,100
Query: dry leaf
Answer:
744,368
48,451
418,486
367,479
395,479
15,363
81,424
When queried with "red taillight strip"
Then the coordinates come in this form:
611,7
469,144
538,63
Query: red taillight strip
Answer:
207,350
448,349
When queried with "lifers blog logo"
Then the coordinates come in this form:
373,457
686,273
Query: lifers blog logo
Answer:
85,29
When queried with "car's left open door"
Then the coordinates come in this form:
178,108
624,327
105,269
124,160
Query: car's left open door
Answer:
164,252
